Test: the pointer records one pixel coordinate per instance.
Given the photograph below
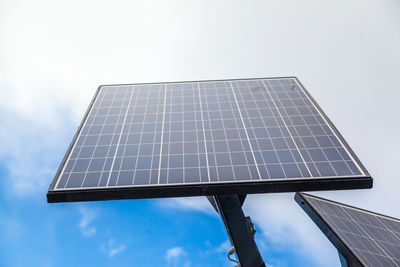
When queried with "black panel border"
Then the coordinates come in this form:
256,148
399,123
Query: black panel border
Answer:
258,187
329,232
267,186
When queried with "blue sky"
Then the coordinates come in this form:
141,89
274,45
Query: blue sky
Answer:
53,55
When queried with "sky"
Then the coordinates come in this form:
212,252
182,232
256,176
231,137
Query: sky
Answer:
54,54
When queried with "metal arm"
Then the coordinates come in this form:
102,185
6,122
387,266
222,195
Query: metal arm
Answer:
239,229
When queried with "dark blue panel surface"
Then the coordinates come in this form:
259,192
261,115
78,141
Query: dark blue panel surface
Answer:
372,239
256,130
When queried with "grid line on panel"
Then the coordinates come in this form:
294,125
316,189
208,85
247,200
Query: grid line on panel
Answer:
378,240
170,120
323,126
73,166
155,136
89,135
326,134
247,135
273,101
238,165
154,113
306,149
330,127
80,147
211,135
308,127
209,128
316,161
265,164
169,114
241,140
287,129
388,229
162,134
294,128
379,250
183,143
199,134
226,140
115,132
252,130
118,170
368,235
221,91
256,140
185,161
119,138
204,132
284,136
279,121
153,156
141,135
181,105
104,163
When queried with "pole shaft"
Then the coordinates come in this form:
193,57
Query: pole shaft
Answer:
239,232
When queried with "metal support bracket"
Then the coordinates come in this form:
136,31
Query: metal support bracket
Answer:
239,228
242,198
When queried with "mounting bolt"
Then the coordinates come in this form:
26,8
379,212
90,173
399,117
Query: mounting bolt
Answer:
250,225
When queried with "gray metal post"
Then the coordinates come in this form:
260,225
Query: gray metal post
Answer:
239,231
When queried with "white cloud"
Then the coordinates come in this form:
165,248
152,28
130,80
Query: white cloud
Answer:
200,204
224,247
286,227
348,58
111,248
27,152
85,224
173,255
117,250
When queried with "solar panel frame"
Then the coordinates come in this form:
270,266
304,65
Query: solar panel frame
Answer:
334,237
266,186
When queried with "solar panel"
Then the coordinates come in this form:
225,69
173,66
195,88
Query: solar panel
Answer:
204,138
364,238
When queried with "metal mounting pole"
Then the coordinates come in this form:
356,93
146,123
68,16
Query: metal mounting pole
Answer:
239,229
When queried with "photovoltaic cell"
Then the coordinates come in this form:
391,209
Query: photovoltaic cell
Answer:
364,238
204,135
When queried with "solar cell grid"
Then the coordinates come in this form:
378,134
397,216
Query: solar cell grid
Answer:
373,239
204,132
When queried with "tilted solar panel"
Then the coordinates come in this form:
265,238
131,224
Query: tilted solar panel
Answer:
204,138
364,238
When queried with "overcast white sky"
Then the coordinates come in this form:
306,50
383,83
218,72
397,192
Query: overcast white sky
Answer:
54,54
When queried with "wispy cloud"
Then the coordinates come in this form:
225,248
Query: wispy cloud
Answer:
274,214
200,204
28,150
88,216
223,247
174,255
111,248
117,250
